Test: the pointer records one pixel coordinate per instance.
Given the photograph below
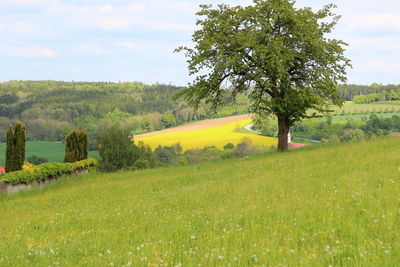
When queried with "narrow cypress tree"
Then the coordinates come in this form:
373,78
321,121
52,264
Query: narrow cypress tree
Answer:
76,148
15,152
19,135
84,145
10,149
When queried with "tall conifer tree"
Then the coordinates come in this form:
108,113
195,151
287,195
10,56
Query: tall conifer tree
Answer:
15,152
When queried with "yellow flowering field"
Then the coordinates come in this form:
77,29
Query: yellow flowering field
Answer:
216,136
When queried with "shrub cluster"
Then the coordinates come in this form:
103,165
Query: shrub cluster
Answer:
349,130
36,160
47,171
118,151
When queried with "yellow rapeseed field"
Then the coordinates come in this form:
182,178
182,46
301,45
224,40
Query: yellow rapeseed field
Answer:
216,136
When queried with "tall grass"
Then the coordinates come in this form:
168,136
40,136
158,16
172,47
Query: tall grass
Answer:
333,205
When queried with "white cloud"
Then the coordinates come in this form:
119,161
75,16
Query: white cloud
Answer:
32,2
373,22
128,45
26,29
106,9
111,23
90,49
378,66
386,44
27,52
47,53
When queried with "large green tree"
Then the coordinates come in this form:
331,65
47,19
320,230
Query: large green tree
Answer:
277,54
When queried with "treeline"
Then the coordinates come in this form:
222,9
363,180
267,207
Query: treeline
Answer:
328,130
349,91
331,131
375,97
50,109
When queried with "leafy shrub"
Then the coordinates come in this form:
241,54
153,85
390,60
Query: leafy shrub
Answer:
334,139
228,154
36,160
46,171
168,155
183,161
194,155
229,146
352,135
116,149
211,153
142,164
244,148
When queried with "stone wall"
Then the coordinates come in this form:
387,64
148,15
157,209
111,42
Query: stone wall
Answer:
11,189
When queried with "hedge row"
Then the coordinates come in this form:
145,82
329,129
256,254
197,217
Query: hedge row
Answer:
46,171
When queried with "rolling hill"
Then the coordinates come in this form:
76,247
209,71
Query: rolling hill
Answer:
327,205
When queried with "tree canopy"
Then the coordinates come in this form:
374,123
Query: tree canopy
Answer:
280,56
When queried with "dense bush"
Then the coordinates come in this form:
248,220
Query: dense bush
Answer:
194,155
229,146
36,160
118,151
46,171
352,135
168,155
244,148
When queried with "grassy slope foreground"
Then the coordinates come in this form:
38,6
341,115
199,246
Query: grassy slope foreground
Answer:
327,205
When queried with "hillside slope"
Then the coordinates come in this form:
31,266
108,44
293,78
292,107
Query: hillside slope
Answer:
328,205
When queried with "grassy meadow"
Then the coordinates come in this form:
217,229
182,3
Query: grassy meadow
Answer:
330,205
53,151
214,136
359,111
351,107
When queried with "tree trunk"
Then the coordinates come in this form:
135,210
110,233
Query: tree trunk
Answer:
283,126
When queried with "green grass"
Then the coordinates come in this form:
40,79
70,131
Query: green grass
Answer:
351,107
53,151
363,116
324,205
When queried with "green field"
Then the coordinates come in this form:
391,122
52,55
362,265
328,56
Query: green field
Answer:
53,151
349,106
326,205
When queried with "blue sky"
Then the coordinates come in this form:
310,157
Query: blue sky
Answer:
133,40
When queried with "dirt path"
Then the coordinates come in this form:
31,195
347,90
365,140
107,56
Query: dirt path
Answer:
200,125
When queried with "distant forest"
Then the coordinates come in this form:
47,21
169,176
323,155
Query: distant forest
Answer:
50,109
349,91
